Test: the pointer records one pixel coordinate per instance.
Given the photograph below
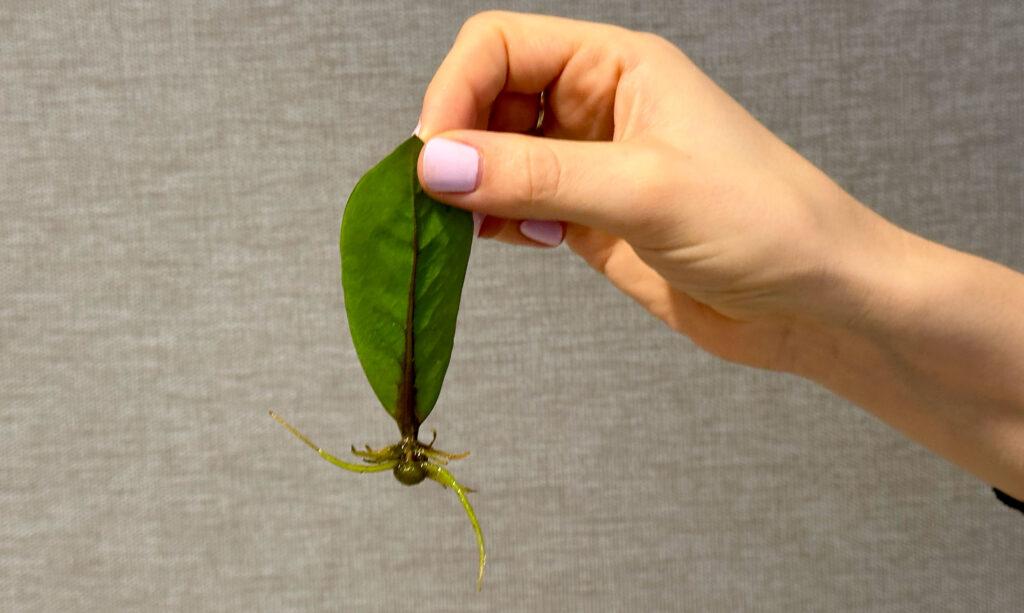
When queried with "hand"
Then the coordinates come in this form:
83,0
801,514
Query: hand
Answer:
686,203
663,182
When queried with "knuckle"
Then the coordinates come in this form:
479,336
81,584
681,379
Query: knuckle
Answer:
543,173
658,44
651,179
484,20
653,39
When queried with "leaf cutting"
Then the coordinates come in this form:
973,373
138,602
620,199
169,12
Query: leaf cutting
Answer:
403,262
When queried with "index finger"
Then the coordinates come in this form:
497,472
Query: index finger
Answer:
500,51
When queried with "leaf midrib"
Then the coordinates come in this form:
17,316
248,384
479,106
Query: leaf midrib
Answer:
405,412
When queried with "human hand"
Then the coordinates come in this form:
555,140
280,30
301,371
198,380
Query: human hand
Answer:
662,181
687,204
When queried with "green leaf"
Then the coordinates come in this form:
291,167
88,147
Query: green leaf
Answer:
403,262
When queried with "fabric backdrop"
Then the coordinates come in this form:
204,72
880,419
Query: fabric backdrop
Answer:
172,177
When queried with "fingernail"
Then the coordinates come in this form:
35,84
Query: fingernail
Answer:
478,222
544,232
416,132
449,166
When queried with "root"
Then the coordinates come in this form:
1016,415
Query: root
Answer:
447,480
356,468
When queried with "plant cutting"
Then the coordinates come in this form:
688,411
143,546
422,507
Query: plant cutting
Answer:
403,262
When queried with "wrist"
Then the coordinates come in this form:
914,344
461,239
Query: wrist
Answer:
877,284
860,279
930,342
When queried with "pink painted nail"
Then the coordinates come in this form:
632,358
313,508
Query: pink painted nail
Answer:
449,166
544,232
478,222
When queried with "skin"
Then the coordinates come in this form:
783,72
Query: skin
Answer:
687,204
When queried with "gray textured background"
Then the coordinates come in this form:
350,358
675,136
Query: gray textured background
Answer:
172,177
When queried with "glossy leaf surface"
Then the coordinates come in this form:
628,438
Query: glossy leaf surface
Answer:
403,262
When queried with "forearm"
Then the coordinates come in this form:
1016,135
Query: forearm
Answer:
933,344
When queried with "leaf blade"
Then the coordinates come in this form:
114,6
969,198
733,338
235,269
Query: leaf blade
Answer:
403,263
445,237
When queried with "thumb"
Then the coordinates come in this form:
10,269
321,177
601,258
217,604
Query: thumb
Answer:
614,187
